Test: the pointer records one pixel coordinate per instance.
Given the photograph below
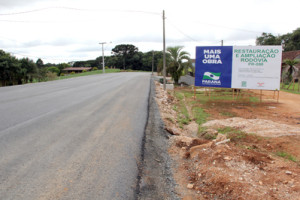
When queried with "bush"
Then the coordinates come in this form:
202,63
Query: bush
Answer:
62,74
72,73
95,68
54,70
51,76
83,71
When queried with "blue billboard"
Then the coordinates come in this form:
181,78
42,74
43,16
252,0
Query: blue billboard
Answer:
213,66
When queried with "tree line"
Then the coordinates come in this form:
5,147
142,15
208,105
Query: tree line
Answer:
128,57
289,41
125,57
14,71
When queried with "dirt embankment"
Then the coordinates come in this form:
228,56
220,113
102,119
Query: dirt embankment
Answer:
243,151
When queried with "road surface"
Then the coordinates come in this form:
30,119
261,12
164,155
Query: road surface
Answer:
77,138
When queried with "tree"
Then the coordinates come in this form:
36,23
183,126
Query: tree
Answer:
146,62
124,52
175,66
289,41
54,70
292,40
62,66
29,69
9,69
290,69
4,67
42,74
268,39
39,63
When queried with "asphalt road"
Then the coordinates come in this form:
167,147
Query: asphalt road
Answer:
77,138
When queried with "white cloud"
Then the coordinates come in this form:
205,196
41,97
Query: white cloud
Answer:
68,30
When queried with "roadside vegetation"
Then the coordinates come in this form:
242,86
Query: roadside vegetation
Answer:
66,76
239,140
125,58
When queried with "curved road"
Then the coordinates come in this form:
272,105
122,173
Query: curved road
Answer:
77,138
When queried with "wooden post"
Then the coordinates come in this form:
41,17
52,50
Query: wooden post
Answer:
232,94
278,97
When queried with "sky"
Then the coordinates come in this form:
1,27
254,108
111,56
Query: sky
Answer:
60,31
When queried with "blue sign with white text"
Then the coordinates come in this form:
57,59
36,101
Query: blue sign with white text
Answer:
213,66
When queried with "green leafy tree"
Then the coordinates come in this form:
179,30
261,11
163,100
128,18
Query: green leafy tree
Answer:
268,39
62,66
146,62
290,41
4,67
29,70
39,63
176,59
54,70
124,54
10,69
42,74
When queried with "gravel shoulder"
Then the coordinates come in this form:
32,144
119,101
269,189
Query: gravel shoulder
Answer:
156,178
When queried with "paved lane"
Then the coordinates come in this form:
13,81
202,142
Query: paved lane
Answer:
73,139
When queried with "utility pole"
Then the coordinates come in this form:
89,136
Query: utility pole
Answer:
164,50
103,65
152,61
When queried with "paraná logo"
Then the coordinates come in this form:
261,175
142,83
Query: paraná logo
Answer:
211,76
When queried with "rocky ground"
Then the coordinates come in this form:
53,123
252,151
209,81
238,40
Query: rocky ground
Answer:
242,151
155,178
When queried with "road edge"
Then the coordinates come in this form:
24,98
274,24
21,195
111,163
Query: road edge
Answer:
155,177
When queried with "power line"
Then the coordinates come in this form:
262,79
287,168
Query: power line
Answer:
79,9
187,36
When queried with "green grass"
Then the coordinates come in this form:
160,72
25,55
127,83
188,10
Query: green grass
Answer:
186,100
291,91
200,115
232,133
224,94
228,114
286,156
87,73
183,116
210,137
295,91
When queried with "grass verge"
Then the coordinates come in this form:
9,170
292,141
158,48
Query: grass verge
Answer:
286,156
290,90
183,114
87,73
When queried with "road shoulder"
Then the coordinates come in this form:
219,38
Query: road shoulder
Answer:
155,177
